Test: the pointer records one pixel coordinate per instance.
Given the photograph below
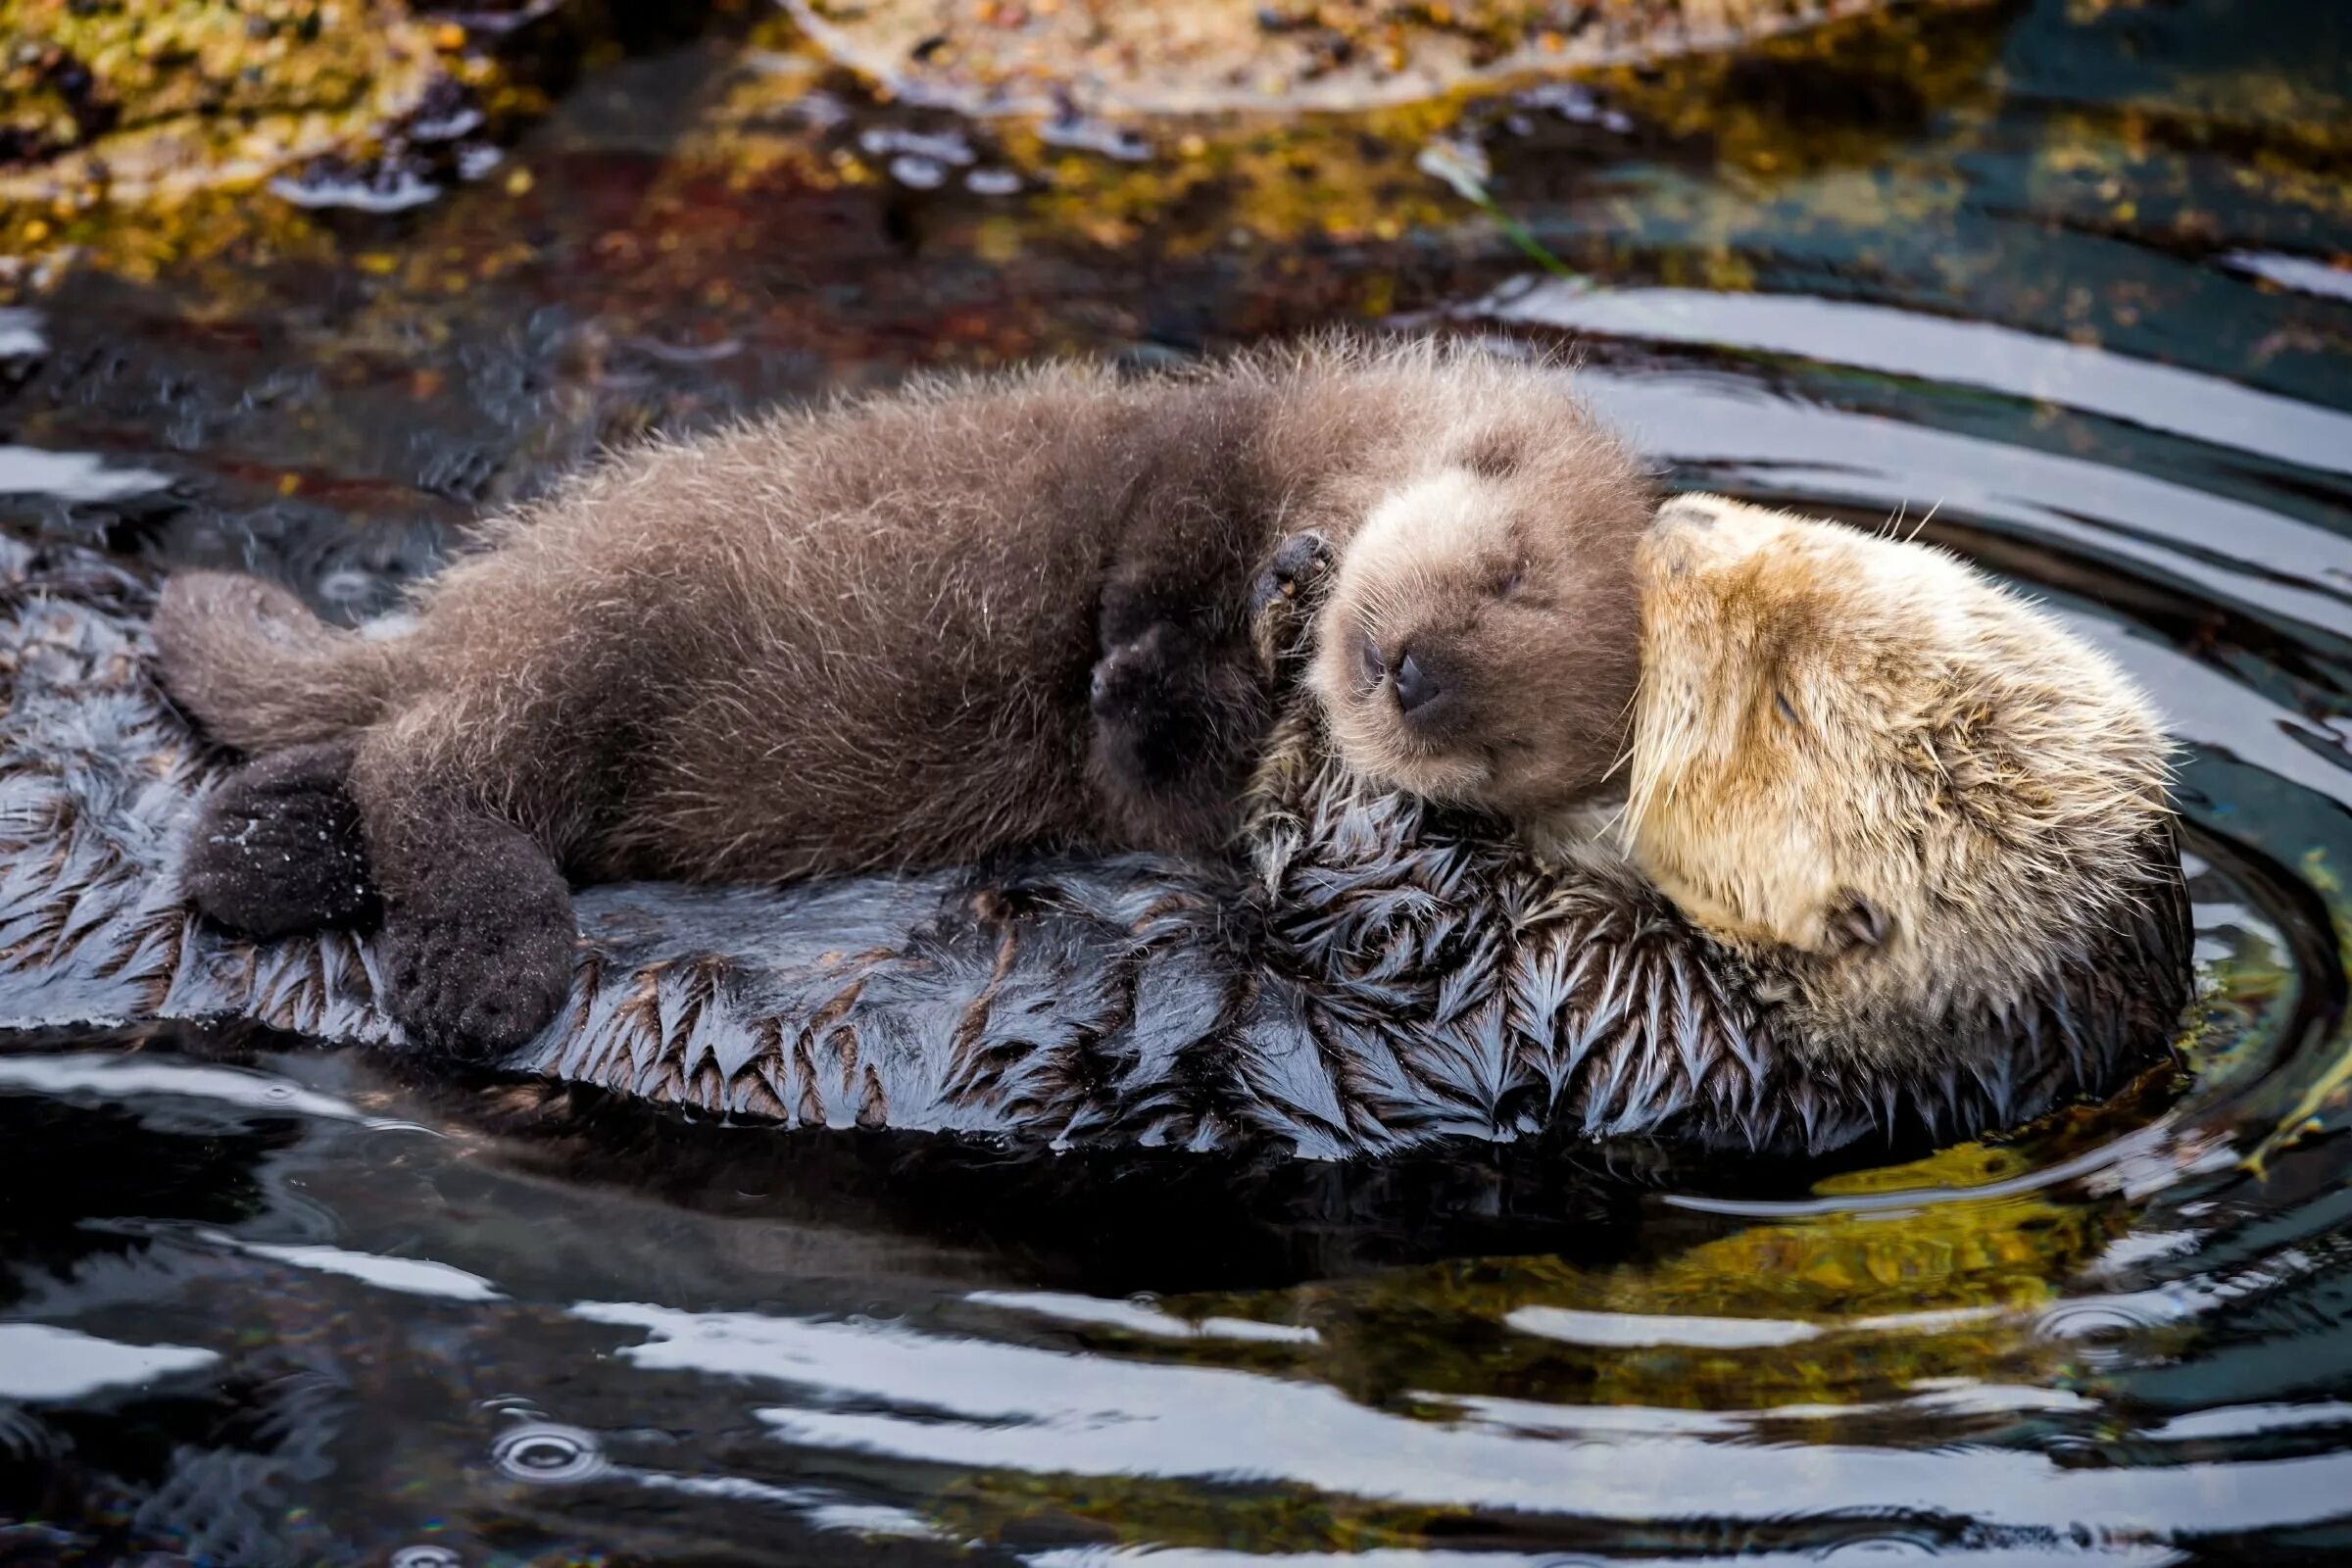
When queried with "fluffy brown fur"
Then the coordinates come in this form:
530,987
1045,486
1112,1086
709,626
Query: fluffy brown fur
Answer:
1899,791
970,618
1517,637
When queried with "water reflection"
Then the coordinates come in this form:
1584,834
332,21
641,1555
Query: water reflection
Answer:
971,1403
270,1306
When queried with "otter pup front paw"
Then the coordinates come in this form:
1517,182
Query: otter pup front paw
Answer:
276,848
1152,704
477,956
1282,599
1175,723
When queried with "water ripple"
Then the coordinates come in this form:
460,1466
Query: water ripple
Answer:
1947,352
547,1454
986,1405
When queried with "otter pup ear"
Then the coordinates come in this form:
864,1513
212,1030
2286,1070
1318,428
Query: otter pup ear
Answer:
1856,922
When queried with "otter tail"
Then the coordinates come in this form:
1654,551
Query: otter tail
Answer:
258,670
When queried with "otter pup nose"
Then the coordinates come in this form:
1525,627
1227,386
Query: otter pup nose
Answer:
1417,687
1426,684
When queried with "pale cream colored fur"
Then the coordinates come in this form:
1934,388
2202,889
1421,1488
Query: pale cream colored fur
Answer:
1829,718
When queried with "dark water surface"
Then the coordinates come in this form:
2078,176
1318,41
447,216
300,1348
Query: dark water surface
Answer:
2065,278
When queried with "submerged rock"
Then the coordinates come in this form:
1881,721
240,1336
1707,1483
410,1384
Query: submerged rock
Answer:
1382,977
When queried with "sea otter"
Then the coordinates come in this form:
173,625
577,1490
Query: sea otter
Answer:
1024,612
1391,975
1895,792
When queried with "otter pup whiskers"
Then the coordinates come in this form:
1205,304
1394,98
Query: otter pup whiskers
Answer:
1420,662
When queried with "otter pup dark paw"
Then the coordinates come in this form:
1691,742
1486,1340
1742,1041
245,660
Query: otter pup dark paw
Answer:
1283,598
276,848
1176,721
477,959
1151,702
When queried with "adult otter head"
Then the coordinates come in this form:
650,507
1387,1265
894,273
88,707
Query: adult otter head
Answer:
1480,642
1904,795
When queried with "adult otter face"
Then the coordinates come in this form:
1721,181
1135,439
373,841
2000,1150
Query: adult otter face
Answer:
1479,645
1863,761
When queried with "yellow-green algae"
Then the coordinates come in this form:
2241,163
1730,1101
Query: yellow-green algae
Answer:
1276,177
2327,1092
1359,176
145,98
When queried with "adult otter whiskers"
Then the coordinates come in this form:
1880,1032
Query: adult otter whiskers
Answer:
1019,613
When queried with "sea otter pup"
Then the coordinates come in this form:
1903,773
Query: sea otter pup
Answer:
1896,793
1021,612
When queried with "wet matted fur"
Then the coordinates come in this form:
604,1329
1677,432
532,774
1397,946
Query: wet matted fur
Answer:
1388,976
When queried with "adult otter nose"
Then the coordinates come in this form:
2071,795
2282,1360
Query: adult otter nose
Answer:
1684,512
1680,536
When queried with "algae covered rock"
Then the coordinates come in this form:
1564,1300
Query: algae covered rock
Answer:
1113,56
147,97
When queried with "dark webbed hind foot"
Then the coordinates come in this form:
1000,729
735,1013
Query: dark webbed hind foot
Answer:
478,935
1282,599
276,848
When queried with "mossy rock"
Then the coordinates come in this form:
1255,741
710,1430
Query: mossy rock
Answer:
1067,57
152,97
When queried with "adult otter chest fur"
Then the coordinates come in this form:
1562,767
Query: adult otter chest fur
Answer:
973,617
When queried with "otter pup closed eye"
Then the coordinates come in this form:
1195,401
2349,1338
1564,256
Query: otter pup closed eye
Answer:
1027,611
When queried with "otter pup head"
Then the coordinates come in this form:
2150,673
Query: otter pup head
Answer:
1480,642
1860,762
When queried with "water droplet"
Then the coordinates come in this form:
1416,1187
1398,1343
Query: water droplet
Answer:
1094,135
948,148
426,1558
1878,1548
2097,1321
542,1452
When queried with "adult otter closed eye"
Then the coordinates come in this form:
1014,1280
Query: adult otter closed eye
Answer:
972,618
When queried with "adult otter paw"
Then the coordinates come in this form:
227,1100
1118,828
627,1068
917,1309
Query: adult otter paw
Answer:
477,961
1283,598
276,848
